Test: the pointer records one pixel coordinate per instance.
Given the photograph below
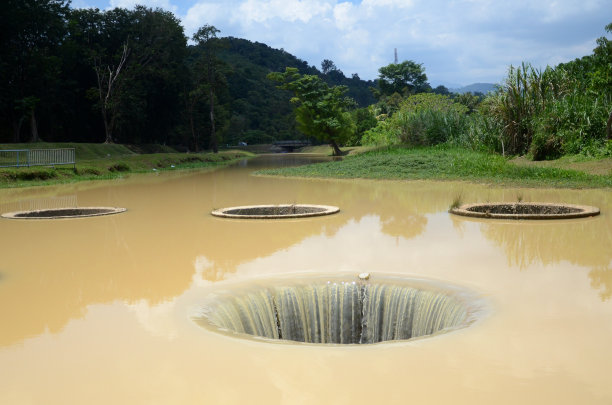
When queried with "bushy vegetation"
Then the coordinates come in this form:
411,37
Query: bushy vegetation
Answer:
541,113
421,119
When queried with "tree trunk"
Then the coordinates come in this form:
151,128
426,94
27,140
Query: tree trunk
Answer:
34,128
108,135
17,129
334,145
609,127
196,147
213,136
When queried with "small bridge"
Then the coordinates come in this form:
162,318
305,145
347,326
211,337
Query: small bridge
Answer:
290,146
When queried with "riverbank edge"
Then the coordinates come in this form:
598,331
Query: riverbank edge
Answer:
444,164
111,168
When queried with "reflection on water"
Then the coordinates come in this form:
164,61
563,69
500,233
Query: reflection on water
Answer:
119,290
601,279
64,201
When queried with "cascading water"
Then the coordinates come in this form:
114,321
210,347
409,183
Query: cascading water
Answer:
344,312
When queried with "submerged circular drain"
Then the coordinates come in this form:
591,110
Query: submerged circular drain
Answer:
64,213
275,211
525,210
353,310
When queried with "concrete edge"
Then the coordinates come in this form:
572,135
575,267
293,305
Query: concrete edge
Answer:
584,211
108,211
325,210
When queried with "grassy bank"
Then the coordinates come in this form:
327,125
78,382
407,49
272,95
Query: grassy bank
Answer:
103,162
444,163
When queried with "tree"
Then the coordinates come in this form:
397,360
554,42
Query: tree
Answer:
403,78
108,96
327,66
441,90
205,37
603,81
321,110
30,34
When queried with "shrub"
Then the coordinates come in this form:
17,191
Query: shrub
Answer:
85,171
119,167
422,119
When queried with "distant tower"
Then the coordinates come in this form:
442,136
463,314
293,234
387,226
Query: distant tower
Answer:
395,60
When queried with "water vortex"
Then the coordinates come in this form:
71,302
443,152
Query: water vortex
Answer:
346,311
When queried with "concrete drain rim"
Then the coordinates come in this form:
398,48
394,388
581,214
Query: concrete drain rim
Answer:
276,211
547,210
64,213
237,296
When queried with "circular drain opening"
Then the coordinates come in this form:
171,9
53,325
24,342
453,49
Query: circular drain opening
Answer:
275,211
523,210
64,213
345,311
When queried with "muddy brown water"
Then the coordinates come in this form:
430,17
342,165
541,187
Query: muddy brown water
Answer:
99,310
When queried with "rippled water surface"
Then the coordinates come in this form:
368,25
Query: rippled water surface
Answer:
99,310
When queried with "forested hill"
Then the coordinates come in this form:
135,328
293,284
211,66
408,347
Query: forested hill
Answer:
243,53
258,111
130,76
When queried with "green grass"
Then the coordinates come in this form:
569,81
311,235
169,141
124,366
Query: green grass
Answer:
444,163
111,167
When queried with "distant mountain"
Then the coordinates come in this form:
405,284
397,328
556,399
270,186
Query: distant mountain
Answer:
483,88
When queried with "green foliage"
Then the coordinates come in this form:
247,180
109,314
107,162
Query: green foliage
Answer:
422,119
28,174
571,125
557,111
364,120
471,101
521,98
119,167
403,78
321,110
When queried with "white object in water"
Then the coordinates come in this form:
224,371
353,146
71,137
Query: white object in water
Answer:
364,276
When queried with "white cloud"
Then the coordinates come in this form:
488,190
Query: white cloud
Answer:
460,41
204,13
260,11
345,16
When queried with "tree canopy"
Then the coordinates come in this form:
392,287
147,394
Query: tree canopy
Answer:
403,78
322,111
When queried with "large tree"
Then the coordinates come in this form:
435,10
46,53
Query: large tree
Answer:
322,111
403,78
137,57
206,38
30,34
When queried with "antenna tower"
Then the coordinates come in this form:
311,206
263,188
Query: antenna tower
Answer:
395,56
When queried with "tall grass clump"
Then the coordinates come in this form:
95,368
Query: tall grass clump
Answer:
572,125
520,99
422,119
549,113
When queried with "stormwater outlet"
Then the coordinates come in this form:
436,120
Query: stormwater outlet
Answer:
525,210
349,310
275,211
57,213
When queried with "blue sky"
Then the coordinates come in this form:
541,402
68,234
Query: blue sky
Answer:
458,41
